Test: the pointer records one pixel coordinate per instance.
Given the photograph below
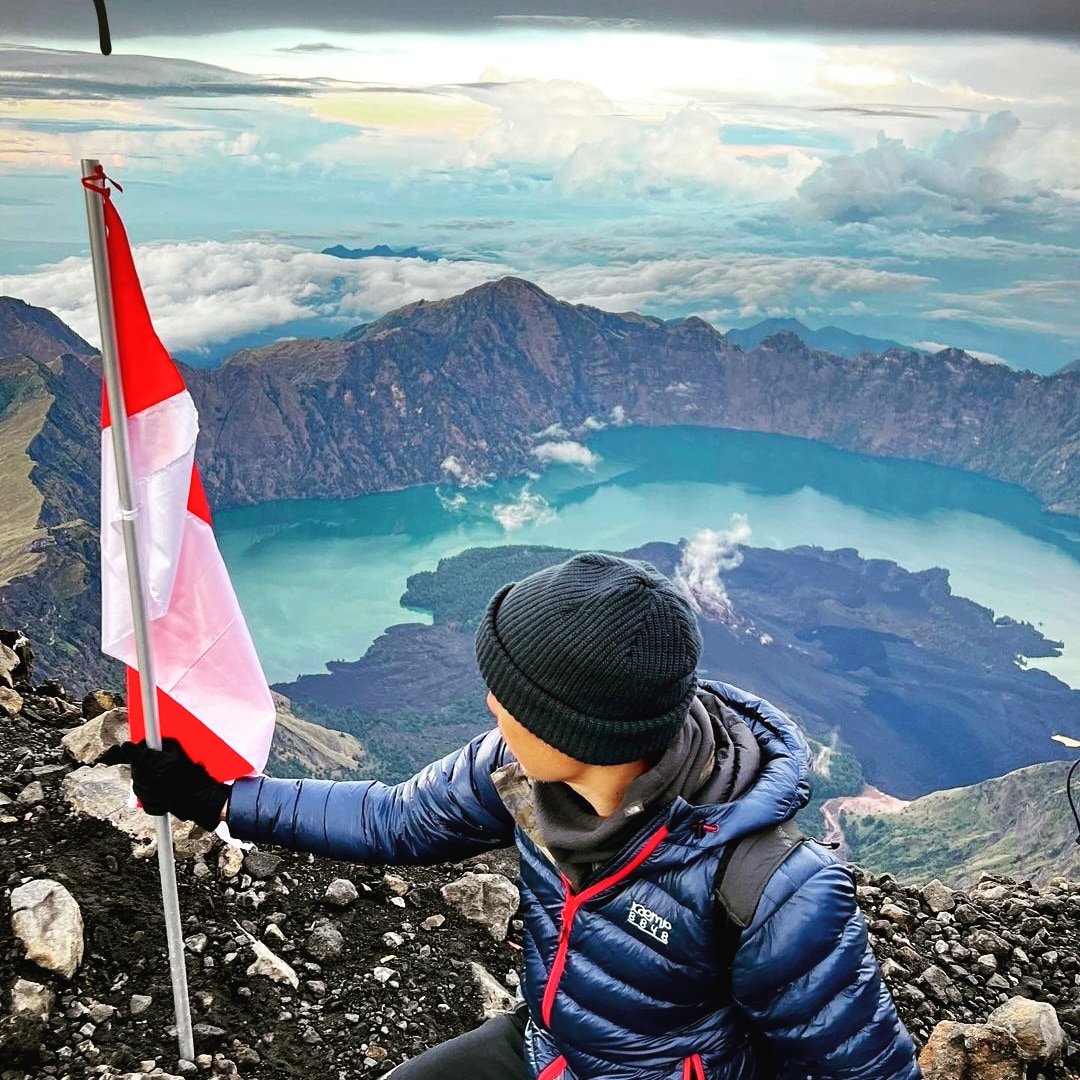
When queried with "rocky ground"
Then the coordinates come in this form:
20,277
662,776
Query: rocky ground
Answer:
388,967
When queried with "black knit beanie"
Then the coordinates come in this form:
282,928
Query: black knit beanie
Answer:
595,656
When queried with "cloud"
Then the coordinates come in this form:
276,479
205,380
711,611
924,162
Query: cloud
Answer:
704,558
959,181
132,18
463,474
54,74
567,452
313,47
736,285
528,508
452,503
594,147
553,431
205,292
918,244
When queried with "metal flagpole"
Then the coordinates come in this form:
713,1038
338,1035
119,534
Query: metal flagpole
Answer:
95,217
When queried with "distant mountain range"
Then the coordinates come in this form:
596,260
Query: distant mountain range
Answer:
476,377
831,339
380,251
435,392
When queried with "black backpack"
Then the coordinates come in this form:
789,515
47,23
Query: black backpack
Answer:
741,877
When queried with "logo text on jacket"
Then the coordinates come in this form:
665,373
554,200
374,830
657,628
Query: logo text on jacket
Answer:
656,926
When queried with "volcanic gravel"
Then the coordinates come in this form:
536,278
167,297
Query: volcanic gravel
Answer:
396,977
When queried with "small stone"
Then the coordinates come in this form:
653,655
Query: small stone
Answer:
938,897
397,885
30,795
383,974
230,861
392,940
261,865
99,701
197,943
341,892
33,998
324,943
433,922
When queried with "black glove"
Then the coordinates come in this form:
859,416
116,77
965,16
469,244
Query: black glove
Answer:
167,781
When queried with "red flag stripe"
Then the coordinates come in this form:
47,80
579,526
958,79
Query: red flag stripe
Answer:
148,372
197,503
175,722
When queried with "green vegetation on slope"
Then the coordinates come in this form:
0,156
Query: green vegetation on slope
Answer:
1018,825
23,406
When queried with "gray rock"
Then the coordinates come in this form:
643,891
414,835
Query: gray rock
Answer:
937,982
324,943
48,922
341,892
938,897
490,899
1034,1025
139,1004
261,865
88,742
30,795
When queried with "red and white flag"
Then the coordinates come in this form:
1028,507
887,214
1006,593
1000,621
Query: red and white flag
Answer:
212,694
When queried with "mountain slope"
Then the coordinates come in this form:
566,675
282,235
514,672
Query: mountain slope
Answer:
477,377
1018,825
36,332
464,387
49,555
832,339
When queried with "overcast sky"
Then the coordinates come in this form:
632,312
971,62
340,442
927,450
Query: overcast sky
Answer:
134,18
918,185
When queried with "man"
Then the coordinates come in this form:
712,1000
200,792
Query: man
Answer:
627,784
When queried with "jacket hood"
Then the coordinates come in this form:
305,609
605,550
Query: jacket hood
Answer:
782,786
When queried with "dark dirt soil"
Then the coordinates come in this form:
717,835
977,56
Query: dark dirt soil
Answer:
340,1022
346,1019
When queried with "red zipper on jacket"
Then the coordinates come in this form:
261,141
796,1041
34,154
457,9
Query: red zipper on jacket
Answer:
692,1069
570,909
555,1069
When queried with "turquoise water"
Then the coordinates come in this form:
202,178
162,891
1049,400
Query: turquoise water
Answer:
320,580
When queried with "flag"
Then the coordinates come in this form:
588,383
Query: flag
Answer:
212,695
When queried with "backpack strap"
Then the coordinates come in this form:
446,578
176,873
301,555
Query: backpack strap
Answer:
747,865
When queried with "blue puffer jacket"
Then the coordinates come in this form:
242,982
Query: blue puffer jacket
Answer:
628,978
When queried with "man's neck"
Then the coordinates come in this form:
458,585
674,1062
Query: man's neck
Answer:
604,786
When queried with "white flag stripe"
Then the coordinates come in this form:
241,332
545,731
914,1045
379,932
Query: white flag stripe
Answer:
162,443
201,646
204,658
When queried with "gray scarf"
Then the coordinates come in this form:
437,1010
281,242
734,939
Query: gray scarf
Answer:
713,759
